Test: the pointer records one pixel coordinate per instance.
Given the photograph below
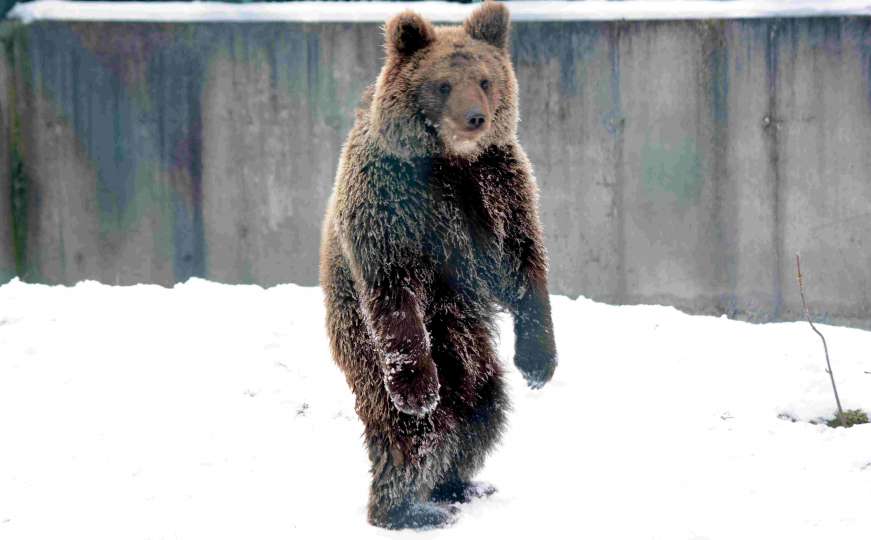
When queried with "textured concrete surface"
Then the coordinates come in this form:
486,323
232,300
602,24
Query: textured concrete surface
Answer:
680,162
158,152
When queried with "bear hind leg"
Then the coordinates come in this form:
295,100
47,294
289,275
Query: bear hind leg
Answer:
397,495
479,436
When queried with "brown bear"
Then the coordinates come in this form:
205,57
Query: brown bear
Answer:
432,227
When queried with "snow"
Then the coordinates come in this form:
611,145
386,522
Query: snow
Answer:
436,11
215,411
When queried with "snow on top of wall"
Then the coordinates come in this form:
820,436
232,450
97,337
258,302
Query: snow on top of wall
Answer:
436,11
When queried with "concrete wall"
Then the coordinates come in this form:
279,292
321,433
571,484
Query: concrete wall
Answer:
682,162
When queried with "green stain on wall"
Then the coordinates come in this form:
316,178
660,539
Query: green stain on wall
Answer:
307,73
673,170
300,71
124,216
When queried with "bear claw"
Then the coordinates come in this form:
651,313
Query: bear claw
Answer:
415,405
462,492
414,389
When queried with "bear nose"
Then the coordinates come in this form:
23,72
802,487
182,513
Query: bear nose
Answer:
475,119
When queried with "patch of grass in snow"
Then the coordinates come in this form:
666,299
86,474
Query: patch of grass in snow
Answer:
851,418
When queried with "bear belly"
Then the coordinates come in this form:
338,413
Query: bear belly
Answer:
469,263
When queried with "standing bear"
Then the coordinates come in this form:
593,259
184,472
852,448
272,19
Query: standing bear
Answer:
431,229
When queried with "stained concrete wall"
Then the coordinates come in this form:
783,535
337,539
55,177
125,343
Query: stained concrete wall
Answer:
7,244
681,162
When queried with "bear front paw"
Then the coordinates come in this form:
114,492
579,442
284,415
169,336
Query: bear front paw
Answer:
537,374
535,363
413,386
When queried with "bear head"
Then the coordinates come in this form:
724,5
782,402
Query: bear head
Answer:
446,91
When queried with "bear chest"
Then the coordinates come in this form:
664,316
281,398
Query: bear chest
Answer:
467,225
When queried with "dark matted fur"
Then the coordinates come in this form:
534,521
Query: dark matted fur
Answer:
430,230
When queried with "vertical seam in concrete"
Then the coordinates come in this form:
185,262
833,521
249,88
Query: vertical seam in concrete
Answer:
771,125
196,170
620,169
866,55
717,72
61,213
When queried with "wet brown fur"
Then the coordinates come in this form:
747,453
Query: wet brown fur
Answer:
424,239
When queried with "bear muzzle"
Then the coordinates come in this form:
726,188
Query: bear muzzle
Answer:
462,138
475,119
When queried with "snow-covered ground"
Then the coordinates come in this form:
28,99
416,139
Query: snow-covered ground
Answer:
214,411
434,10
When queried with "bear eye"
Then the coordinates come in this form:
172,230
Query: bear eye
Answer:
445,88
485,84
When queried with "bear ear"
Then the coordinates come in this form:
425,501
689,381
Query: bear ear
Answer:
407,33
489,23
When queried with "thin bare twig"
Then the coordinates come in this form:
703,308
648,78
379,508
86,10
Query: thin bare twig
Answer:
807,315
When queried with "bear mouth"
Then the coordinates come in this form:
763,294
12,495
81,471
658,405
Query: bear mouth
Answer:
459,141
464,146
